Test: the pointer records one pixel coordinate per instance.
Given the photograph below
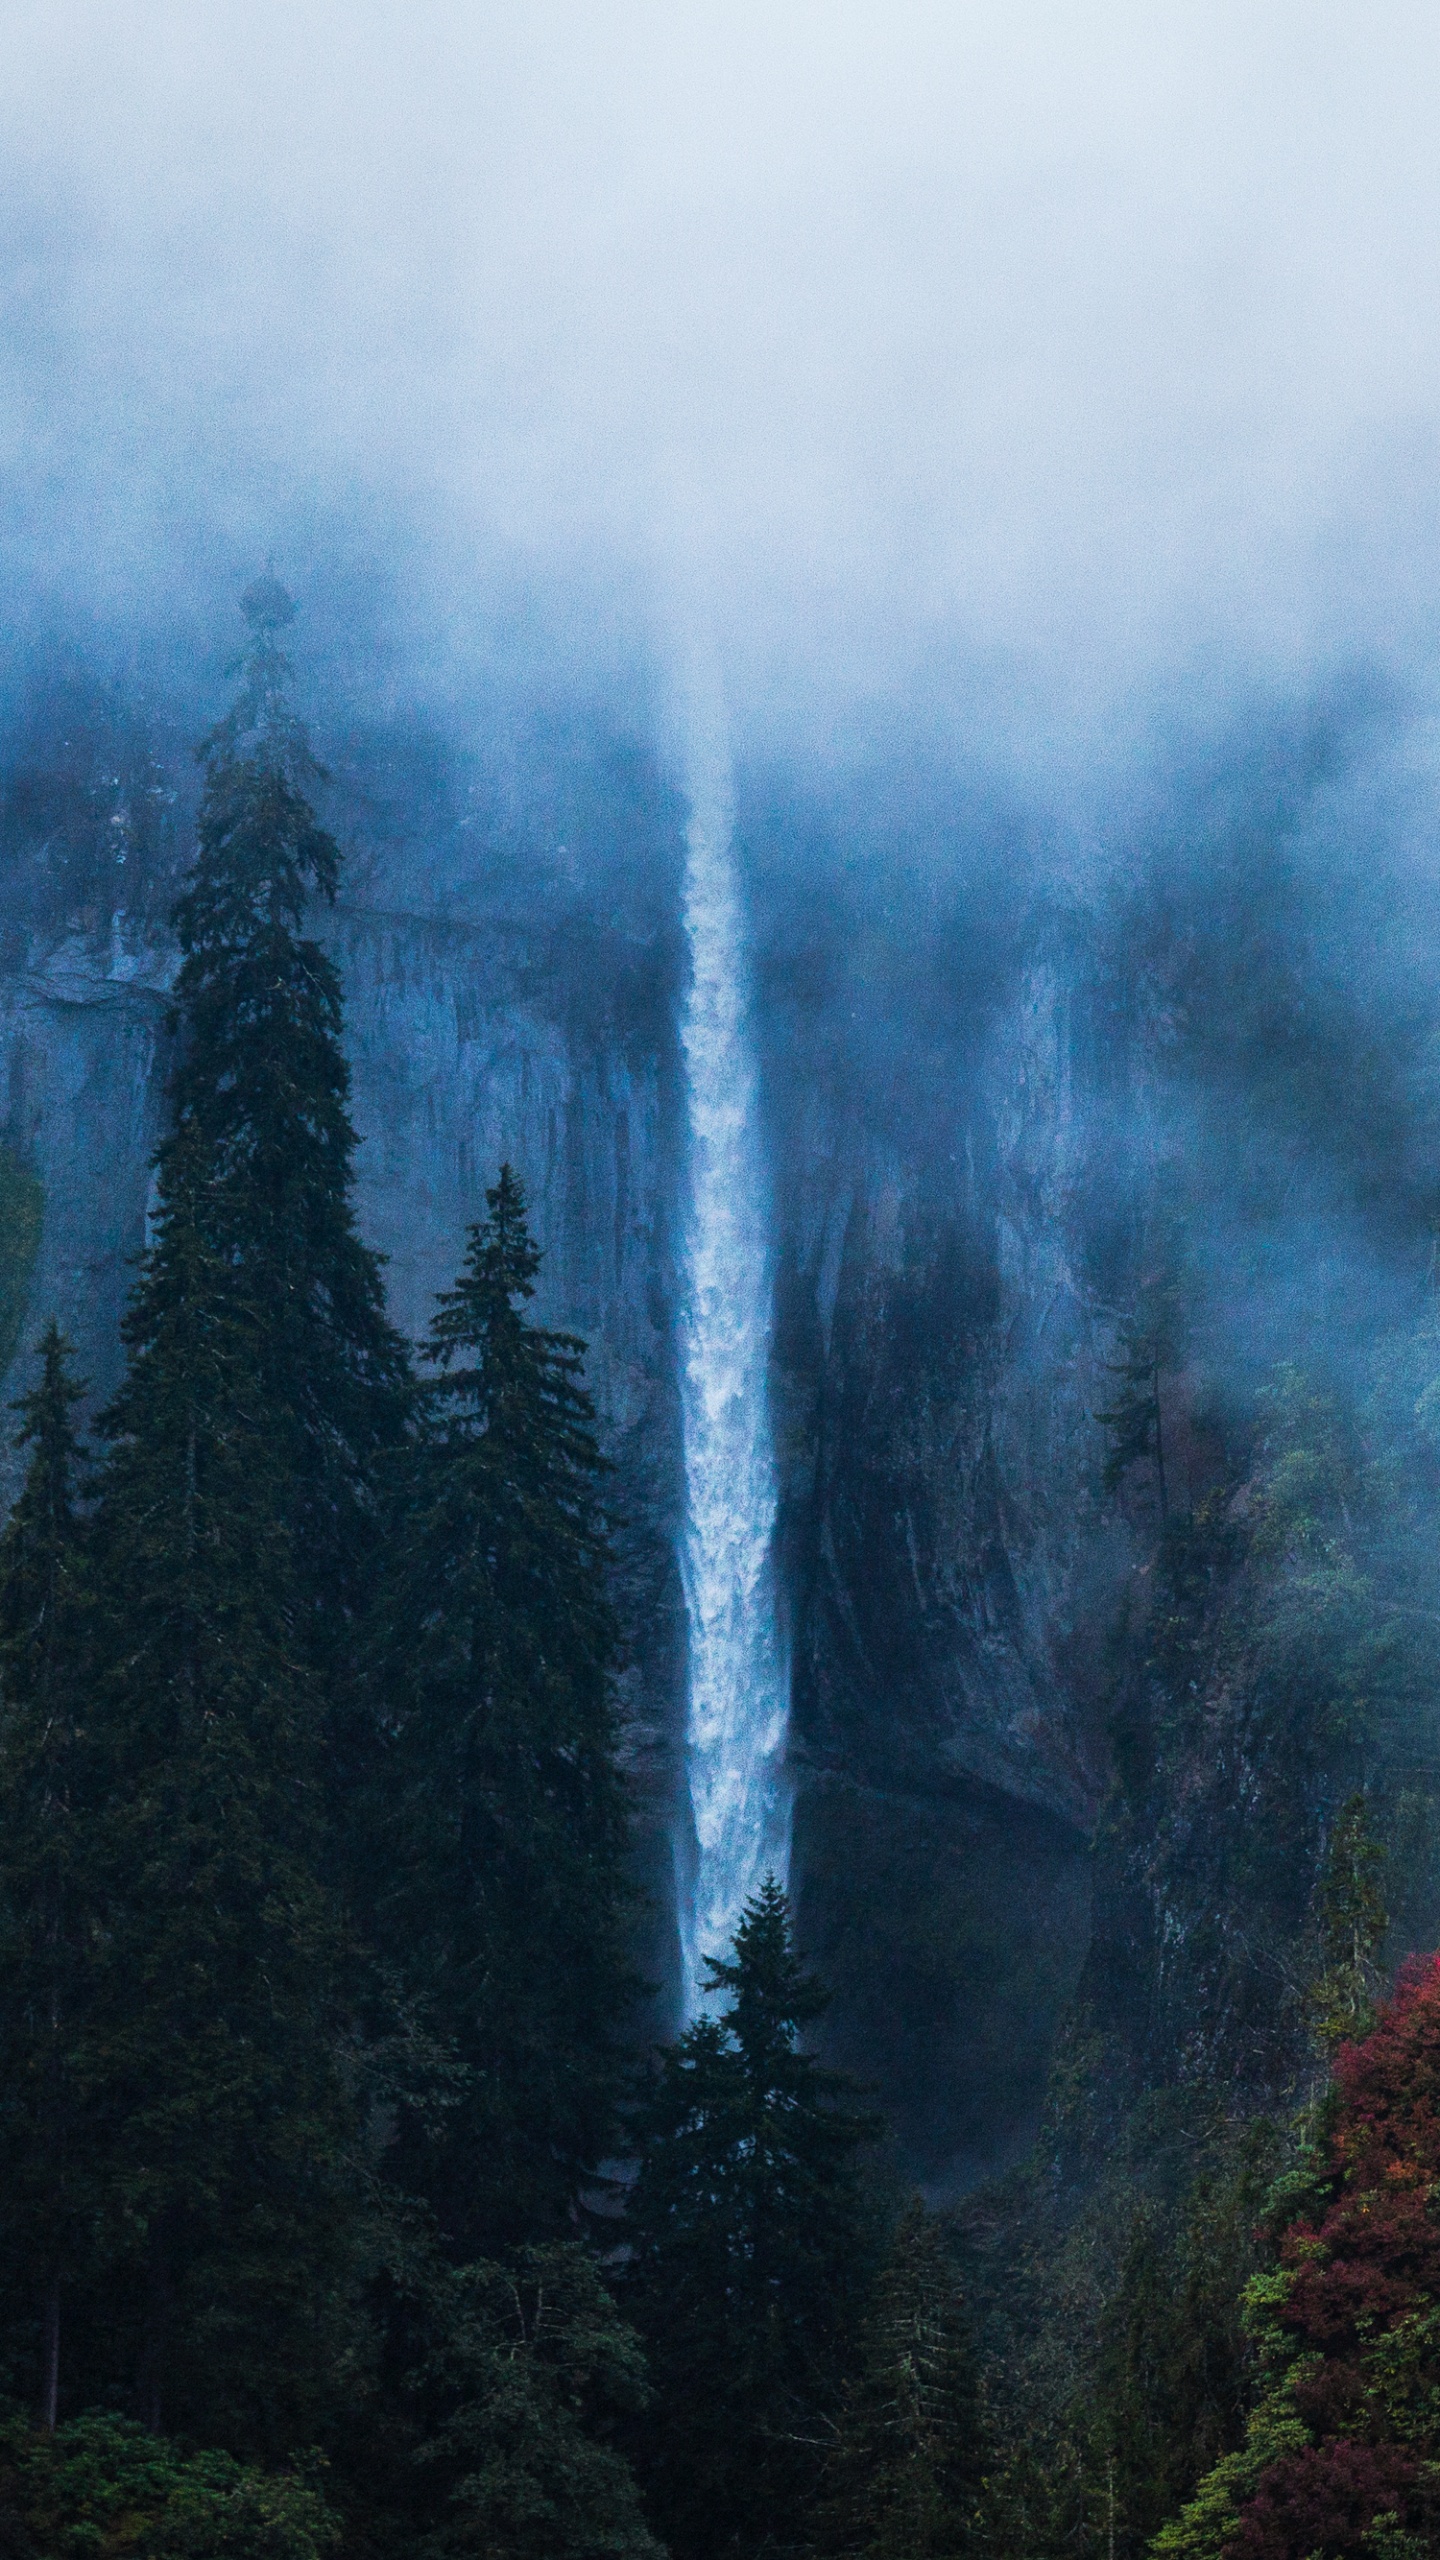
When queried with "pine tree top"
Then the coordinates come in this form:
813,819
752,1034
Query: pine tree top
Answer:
772,1994
522,1378
260,727
44,1410
496,1279
262,852
745,2068
262,1084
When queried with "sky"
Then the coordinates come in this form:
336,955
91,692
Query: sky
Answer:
1051,355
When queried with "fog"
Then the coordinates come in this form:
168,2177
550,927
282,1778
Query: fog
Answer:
1027,418
1023,361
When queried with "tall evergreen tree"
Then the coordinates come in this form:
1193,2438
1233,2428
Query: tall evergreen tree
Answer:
21,1208
1353,1920
234,1533
748,2254
218,2055
905,2476
45,1972
508,1899
263,1083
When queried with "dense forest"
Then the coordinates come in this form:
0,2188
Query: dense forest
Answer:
346,2205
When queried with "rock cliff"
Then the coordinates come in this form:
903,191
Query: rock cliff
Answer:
939,1351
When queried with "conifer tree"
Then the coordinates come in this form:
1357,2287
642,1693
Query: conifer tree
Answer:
233,1538
218,2055
45,2129
1353,1921
904,2479
497,1642
21,1208
263,1083
749,2260
1150,1347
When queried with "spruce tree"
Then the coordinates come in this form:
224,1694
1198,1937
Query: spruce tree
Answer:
507,1903
905,2476
218,2056
234,1540
1353,1921
22,1203
1150,1348
263,1083
46,2130
748,2260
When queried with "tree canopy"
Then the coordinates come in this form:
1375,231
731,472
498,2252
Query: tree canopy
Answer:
750,2251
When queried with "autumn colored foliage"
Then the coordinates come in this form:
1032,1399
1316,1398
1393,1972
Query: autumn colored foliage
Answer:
1343,2451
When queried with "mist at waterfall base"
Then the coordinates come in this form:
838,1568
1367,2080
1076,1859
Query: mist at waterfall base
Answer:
1041,412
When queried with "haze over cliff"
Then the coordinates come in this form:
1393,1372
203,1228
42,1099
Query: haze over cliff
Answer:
1038,412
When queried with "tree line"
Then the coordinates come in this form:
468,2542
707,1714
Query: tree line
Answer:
334,2200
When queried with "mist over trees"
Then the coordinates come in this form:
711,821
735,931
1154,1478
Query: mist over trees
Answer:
948,494
347,2205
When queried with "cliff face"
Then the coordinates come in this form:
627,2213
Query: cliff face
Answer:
82,1050
938,1363
952,1573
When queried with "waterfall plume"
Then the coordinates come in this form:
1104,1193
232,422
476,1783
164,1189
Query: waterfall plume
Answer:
738,1709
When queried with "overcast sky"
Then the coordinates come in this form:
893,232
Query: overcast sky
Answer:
1079,341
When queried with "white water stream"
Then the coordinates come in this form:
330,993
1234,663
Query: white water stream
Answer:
739,1676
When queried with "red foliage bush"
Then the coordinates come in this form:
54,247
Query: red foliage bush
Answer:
1323,2501
1389,2087
1371,2257
1381,2257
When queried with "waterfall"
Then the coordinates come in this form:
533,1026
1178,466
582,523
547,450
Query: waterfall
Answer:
739,1676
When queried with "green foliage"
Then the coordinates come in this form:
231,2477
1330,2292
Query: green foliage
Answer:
1283,1669
748,2252
1353,1921
504,1845
1174,2370
22,1202
904,2478
217,2063
1118,2366
1209,2521
261,1091
210,2098
102,2489
1345,2433
1274,1734
228,1549
48,2159
1151,1346
1276,1768
535,2370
